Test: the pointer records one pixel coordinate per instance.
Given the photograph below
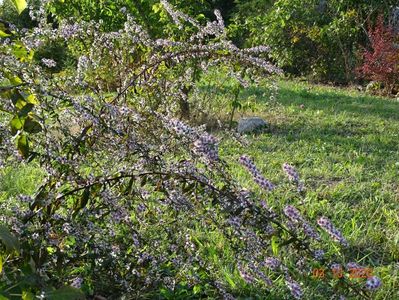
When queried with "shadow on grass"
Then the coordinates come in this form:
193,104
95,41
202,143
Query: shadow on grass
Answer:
345,133
341,135
338,102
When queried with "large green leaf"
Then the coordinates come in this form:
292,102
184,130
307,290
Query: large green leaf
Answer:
20,51
27,295
25,110
65,293
10,241
32,126
16,125
3,34
20,5
4,30
31,99
23,145
14,79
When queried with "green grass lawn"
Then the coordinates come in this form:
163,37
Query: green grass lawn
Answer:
345,146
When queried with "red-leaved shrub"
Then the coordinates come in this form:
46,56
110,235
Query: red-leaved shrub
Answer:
381,62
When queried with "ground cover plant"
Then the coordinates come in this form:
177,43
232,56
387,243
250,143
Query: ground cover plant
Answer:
130,200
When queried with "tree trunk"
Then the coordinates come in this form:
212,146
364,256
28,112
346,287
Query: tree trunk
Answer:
184,105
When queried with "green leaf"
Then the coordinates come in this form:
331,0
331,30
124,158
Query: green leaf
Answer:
27,295
25,110
274,245
82,202
65,293
3,34
156,7
20,51
16,125
32,126
15,80
4,30
197,289
1,264
230,280
17,99
10,241
23,145
31,99
20,5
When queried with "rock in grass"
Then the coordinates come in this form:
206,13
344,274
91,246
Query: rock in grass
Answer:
250,125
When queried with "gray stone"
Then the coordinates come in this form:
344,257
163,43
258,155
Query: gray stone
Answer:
252,124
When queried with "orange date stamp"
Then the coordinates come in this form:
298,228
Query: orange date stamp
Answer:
337,273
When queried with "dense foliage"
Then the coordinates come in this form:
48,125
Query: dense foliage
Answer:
322,40
312,37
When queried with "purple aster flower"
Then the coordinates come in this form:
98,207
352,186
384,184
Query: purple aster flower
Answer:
373,283
77,282
291,172
292,213
248,278
336,235
319,254
294,287
353,265
295,216
257,176
207,146
293,176
310,231
272,263
49,63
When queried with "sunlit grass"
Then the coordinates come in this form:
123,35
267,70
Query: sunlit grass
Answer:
345,146
22,179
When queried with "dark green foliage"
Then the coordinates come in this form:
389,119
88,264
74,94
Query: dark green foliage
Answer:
317,38
147,13
59,52
8,240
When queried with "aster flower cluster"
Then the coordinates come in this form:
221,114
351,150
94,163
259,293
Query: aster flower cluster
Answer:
207,145
294,287
373,283
272,263
245,275
256,269
257,176
294,215
292,174
177,16
49,62
336,235
180,128
69,31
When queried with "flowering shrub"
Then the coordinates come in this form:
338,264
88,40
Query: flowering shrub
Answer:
133,196
381,62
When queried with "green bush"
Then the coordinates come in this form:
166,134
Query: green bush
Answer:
316,38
